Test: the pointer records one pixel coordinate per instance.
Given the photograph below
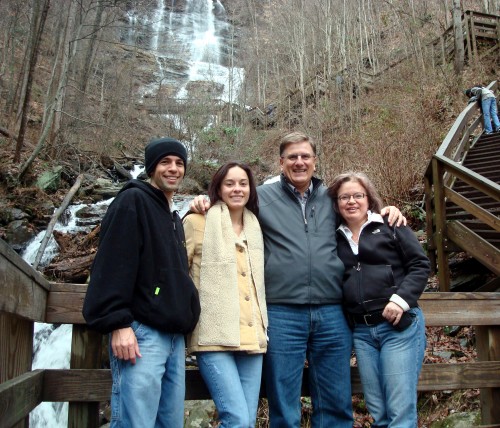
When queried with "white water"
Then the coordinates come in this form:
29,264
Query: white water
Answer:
196,33
52,344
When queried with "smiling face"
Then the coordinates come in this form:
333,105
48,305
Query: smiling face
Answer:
353,211
296,169
235,189
168,175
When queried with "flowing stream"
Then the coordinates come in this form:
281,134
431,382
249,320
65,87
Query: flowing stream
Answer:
199,35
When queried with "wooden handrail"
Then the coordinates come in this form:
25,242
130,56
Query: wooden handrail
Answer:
84,387
443,170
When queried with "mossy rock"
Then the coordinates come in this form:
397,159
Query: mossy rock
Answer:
49,180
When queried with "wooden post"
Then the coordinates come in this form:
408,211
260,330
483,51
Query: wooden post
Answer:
488,349
431,245
473,34
498,32
16,344
86,352
440,232
443,50
467,24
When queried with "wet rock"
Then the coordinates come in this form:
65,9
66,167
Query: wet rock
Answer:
18,233
105,189
191,187
8,214
91,215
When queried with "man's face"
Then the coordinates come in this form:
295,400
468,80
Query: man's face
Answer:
298,163
168,175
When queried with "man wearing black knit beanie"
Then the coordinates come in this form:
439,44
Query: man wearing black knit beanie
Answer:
140,293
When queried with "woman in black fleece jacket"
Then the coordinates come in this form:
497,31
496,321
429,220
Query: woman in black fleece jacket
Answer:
386,271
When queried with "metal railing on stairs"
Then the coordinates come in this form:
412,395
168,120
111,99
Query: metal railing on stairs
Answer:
463,204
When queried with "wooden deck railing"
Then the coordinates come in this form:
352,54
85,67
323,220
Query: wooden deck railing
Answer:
445,168
26,297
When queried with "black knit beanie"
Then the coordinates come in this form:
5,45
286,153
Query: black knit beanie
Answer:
157,149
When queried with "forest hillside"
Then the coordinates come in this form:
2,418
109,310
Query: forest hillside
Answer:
72,78
84,88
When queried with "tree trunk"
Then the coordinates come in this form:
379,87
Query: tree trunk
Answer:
90,54
37,35
53,220
459,37
55,104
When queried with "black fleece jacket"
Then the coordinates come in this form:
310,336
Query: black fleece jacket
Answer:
140,271
389,261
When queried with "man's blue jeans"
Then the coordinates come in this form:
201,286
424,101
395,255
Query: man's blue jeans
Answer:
389,364
489,107
319,333
151,392
233,379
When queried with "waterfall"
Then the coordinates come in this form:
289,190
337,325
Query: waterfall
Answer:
196,36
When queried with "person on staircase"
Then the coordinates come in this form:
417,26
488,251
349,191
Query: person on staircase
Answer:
226,261
488,104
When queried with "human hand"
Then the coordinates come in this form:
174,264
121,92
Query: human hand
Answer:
199,205
393,313
124,344
395,216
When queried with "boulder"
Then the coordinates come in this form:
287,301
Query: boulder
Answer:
459,420
91,215
18,233
49,180
105,189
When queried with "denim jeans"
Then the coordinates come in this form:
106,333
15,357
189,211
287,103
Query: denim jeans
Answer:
489,107
151,392
389,364
233,379
319,333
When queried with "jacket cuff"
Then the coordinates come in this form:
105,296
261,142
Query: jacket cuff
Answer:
400,302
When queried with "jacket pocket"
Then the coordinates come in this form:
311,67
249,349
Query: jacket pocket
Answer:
175,305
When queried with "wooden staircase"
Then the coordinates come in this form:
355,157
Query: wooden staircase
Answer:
484,159
462,198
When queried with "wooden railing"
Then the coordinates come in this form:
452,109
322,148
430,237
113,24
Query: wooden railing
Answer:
26,297
444,169
476,26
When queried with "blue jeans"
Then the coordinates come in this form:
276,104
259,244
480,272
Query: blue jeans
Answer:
151,392
233,379
319,333
489,107
389,364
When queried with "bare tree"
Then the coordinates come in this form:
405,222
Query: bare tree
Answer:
458,64
39,17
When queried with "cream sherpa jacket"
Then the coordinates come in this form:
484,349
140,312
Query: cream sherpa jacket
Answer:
229,273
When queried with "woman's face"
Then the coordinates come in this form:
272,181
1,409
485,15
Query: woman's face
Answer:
353,206
235,189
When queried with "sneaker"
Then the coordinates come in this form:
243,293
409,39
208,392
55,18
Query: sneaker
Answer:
487,133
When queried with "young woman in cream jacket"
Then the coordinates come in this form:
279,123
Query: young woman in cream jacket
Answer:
226,258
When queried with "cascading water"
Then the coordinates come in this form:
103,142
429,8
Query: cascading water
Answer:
197,35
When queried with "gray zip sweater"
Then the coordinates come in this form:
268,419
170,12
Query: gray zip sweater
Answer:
301,262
